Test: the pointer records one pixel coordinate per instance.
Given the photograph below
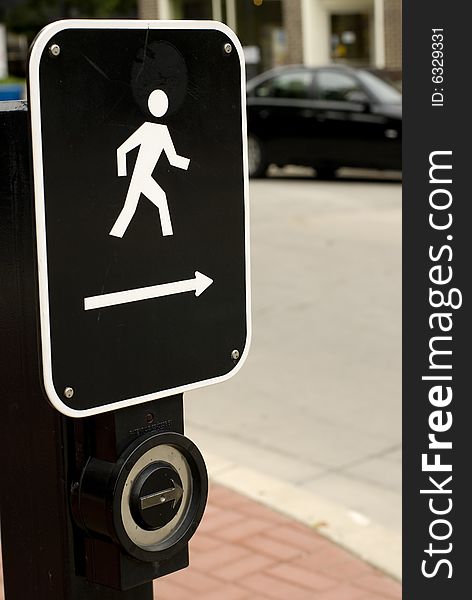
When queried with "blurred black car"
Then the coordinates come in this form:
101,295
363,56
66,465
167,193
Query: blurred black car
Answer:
326,118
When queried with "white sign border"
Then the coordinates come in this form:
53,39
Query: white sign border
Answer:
37,50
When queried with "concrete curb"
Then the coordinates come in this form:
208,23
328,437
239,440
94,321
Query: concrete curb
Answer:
373,543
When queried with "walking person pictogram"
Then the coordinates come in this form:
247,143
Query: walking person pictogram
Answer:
152,139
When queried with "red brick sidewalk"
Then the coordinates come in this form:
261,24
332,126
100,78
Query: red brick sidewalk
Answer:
245,551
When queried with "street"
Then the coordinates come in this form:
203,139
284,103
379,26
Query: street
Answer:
318,402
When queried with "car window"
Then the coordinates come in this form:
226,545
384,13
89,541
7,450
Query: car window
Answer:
289,85
340,87
382,90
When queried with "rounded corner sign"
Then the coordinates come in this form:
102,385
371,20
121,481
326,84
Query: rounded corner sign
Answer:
141,205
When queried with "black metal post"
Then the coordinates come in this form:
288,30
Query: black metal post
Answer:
38,539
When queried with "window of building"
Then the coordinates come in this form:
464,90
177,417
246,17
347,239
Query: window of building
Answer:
193,9
260,24
350,38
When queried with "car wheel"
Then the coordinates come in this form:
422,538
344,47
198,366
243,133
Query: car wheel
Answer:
326,173
256,159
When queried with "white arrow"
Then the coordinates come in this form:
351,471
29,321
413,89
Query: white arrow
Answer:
198,285
173,494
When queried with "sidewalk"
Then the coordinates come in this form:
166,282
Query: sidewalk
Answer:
245,551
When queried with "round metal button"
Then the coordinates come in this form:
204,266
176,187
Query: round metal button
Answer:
156,496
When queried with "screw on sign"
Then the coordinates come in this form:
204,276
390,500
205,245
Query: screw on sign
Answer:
141,200
55,50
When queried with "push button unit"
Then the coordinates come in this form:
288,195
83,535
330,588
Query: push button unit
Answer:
151,500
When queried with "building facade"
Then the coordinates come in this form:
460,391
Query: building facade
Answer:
311,32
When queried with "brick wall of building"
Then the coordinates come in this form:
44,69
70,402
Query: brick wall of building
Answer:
292,23
393,34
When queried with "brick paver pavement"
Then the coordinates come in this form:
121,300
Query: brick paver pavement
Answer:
245,551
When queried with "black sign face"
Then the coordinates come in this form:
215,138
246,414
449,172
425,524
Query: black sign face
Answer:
140,170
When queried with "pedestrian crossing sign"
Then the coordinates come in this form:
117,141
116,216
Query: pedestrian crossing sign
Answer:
141,205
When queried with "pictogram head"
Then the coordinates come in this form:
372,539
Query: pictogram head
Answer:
158,103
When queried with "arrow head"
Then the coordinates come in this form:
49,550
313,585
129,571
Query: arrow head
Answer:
202,282
178,491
